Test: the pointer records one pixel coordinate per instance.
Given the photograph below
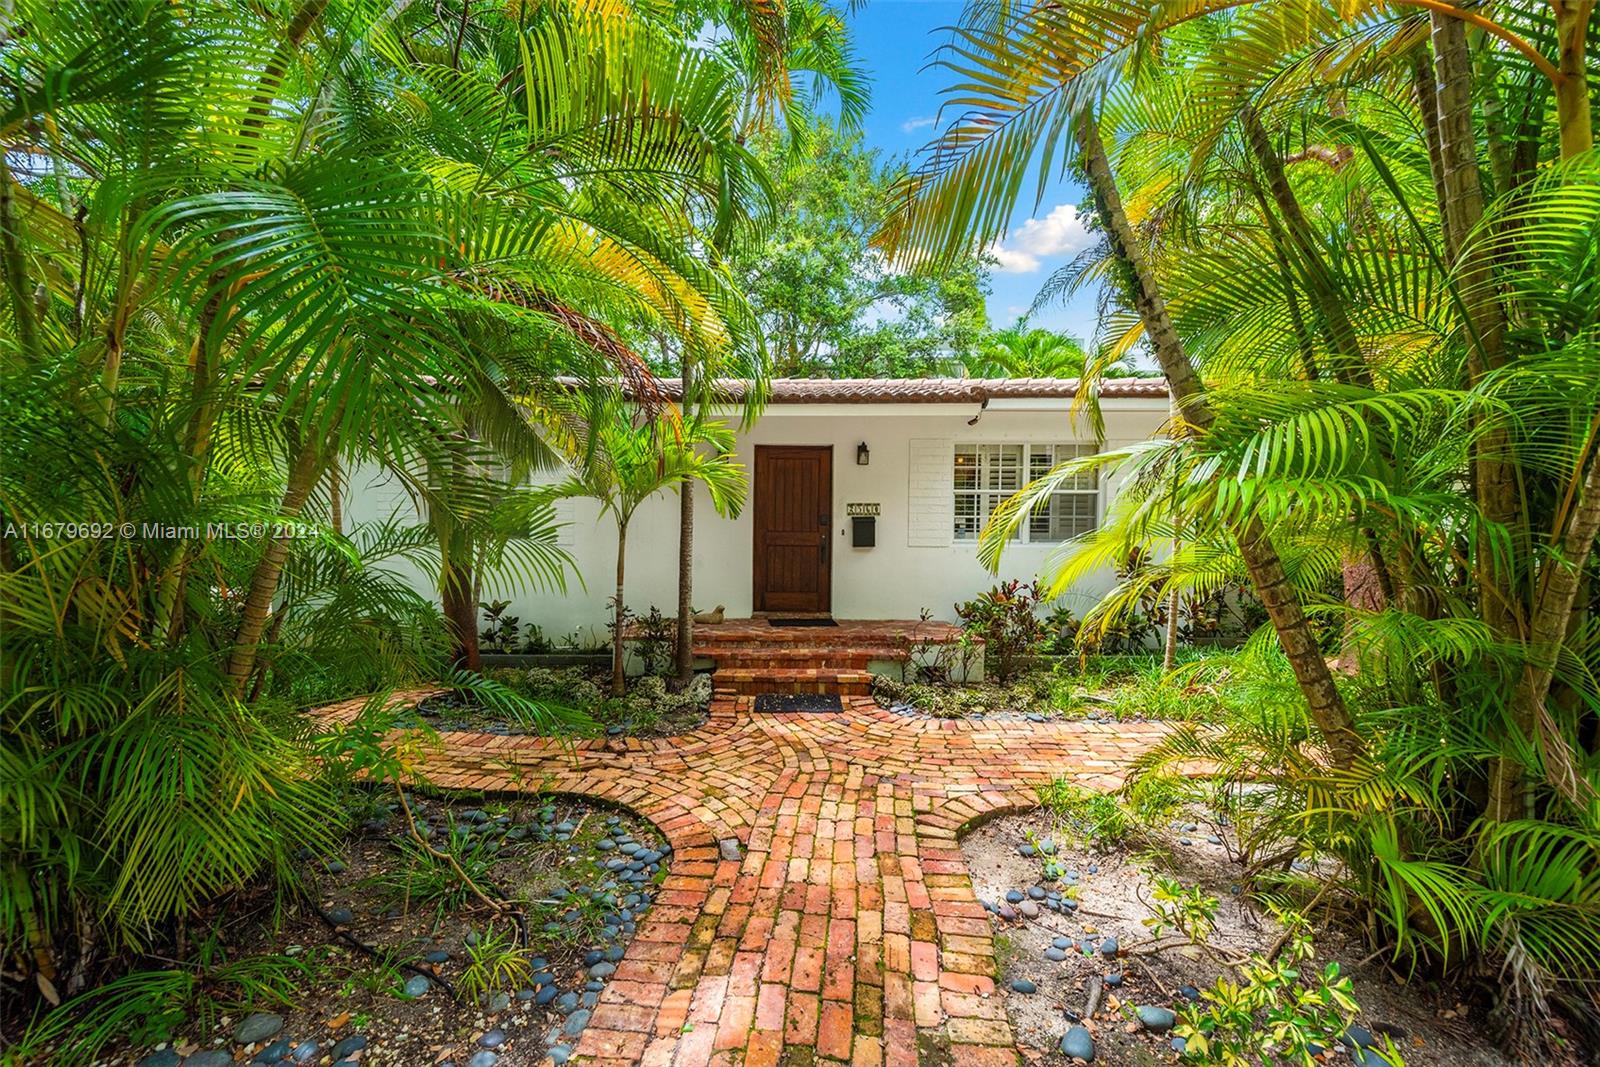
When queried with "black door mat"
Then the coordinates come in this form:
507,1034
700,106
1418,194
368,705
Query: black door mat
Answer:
809,702
801,622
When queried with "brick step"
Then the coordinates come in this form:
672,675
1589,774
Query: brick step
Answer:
766,655
808,637
749,681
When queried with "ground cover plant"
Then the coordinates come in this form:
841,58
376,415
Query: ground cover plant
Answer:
392,955
648,708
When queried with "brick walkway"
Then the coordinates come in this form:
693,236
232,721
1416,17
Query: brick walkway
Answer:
847,931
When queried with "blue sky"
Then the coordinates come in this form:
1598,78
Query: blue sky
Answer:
895,39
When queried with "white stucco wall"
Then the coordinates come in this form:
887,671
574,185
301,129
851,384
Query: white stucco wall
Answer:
895,579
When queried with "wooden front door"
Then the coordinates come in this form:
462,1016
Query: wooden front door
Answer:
794,520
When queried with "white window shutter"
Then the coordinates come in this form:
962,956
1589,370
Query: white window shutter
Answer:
930,516
565,513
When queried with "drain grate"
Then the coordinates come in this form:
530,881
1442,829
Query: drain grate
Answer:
806,702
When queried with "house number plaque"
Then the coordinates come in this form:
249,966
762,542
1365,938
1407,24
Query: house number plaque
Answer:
854,510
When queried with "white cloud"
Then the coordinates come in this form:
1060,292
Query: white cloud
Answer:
1059,233
919,122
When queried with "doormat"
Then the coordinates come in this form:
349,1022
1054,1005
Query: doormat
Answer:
811,702
801,622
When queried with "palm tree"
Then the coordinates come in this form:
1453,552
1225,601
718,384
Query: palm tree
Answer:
243,251
783,77
1022,352
635,456
1367,335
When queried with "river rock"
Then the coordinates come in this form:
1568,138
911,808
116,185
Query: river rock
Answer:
257,1026
1078,1043
1156,1019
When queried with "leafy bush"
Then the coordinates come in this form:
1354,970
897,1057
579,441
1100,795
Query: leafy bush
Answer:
1187,910
1005,620
1279,1013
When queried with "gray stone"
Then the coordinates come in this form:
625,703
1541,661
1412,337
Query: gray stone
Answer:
1027,850
1109,948
1079,1044
605,844
499,1003
353,1043
483,1058
417,986
1023,985
1007,912
273,1053
1055,955
257,1026
575,1023
603,969
546,995
1014,896
1156,1019
559,1054
341,916
728,848
437,956
1113,981
305,1052
164,1058
1358,1037
1029,909
1180,1044
209,1058
567,1003
493,1039
1062,942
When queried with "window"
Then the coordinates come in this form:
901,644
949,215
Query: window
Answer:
985,475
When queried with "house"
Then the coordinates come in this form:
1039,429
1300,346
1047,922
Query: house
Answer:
866,499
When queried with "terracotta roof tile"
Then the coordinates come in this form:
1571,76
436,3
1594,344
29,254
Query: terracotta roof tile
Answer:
923,390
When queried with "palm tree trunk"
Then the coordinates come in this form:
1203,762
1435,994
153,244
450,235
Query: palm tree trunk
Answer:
1169,654
1282,604
264,582
1572,87
460,605
684,653
619,677
1552,615
15,269
335,498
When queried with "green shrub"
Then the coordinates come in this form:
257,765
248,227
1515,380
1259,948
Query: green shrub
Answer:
1093,817
1278,1013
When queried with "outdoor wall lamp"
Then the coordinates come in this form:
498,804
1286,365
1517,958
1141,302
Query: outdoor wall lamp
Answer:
863,455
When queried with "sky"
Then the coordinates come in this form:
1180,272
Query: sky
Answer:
894,40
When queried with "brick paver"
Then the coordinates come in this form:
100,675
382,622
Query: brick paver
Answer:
847,932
